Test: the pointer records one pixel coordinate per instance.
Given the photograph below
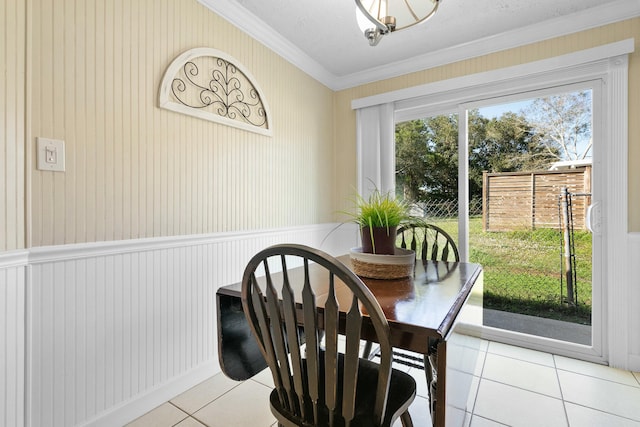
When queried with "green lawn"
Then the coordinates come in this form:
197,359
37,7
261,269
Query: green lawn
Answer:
522,270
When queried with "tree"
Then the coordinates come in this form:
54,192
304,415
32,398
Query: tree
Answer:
427,158
427,153
507,144
563,122
411,158
442,162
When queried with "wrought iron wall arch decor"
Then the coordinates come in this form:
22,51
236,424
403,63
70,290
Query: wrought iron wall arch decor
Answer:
214,86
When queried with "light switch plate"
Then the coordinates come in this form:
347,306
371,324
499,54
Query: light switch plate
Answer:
50,154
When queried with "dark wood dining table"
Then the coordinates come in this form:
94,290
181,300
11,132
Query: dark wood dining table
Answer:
423,312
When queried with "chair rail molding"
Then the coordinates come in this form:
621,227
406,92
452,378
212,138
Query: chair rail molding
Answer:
211,85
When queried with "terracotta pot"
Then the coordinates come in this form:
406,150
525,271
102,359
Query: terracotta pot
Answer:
384,240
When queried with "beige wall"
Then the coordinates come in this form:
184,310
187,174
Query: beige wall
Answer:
134,170
345,117
12,124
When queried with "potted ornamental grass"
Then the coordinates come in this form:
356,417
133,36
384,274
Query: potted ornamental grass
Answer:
378,217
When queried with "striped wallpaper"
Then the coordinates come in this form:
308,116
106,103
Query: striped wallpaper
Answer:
12,124
136,171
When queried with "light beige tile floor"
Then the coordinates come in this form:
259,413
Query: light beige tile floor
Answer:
512,387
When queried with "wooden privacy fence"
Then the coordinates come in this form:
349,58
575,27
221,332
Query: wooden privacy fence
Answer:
528,200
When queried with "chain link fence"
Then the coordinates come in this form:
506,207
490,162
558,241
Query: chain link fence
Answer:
444,209
522,268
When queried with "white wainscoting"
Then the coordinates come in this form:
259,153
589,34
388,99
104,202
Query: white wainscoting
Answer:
633,274
12,337
117,328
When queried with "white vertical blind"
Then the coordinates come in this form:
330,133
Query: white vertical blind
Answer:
375,149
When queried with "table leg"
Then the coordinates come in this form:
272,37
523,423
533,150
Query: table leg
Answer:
440,392
430,362
435,371
238,352
431,374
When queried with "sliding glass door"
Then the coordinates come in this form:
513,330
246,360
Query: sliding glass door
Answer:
539,181
514,180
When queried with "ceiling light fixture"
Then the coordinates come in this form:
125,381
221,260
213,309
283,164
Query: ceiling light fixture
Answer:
379,17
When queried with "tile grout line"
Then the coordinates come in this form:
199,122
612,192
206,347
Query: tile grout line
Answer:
523,389
181,410
480,378
209,402
597,377
564,402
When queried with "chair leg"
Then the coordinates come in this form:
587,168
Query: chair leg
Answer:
406,420
367,350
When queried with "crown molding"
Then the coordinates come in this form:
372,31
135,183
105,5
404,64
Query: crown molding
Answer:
580,21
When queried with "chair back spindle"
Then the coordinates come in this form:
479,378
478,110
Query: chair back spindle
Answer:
430,242
314,384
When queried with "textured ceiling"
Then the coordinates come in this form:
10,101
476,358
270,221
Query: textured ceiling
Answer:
325,31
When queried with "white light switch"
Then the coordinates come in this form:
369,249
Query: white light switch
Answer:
50,154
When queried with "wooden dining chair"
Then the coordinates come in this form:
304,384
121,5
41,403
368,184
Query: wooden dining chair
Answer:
429,241
315,383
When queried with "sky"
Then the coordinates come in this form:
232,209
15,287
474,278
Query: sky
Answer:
495,111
